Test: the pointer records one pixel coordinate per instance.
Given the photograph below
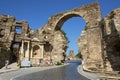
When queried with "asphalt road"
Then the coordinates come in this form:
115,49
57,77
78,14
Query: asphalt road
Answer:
68,72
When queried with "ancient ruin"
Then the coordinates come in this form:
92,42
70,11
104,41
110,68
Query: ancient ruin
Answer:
71,55
110,27
99,42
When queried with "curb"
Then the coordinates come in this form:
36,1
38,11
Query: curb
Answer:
8,71
96,76
91,76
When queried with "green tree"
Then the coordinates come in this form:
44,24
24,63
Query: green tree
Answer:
79,55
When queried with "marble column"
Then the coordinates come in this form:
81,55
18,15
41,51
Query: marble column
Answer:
41,52
21,52
27,51
31,53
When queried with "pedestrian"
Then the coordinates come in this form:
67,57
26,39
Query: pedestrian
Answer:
6,64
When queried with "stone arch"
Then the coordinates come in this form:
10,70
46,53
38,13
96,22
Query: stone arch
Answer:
64,18
92,16
90,13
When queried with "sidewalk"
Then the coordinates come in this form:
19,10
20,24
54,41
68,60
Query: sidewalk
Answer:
96,76
11,67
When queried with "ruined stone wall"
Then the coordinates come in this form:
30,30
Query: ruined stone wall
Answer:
90,47
71,55
59,46
100,46
6,38
6,23
111,40
9,36
50,31
8,27
4,54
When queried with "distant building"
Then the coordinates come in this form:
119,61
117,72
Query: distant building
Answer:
71,55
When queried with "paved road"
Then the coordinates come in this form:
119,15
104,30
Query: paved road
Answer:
64,72
68,72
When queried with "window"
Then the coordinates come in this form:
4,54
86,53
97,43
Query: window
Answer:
18,29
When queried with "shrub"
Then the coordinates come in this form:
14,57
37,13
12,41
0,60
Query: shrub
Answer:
58,63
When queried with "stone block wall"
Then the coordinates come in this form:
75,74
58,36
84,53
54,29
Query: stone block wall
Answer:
111,40
4,54
90,47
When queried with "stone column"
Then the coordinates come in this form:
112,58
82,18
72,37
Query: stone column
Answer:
21,52
27,51
42,49
31,53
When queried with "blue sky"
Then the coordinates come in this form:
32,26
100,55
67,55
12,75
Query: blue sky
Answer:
37,12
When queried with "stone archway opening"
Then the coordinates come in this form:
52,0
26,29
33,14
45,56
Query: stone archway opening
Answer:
90,41
48,49
15,51
113,52
117,48
36,51
72,25
64,19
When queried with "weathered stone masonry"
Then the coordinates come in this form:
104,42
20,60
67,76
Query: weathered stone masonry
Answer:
17,41
99,42
110,26
90,13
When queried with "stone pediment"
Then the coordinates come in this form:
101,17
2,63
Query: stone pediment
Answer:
35,39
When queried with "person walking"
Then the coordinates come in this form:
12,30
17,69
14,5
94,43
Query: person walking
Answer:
6,64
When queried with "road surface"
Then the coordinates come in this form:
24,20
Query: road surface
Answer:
64,72
68,72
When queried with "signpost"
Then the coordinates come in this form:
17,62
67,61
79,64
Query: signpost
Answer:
25,63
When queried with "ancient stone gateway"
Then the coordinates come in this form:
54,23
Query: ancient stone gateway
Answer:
51,32
90,13
99,42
